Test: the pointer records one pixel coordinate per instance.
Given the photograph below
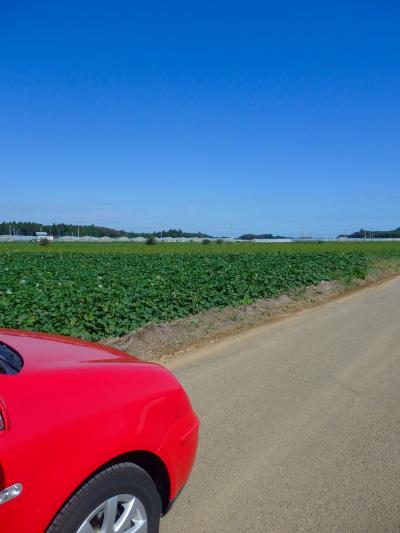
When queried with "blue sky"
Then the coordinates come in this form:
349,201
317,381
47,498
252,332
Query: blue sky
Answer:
278,117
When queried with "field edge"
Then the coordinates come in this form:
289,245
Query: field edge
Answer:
161,342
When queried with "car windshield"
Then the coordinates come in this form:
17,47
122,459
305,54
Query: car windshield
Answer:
10,360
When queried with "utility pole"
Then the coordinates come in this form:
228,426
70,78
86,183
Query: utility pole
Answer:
78,232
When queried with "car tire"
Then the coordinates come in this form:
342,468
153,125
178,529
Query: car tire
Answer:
121,493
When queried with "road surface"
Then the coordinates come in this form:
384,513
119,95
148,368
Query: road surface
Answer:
300,423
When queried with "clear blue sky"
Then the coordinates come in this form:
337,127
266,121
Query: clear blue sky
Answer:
268,116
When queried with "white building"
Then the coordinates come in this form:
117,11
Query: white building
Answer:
42,235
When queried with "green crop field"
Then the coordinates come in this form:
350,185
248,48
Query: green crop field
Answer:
378,247
94,291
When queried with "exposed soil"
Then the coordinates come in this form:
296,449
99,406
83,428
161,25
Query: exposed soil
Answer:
160,341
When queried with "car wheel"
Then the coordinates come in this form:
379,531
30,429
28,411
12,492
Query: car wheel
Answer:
121,498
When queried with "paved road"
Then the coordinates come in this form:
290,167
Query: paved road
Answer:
300,423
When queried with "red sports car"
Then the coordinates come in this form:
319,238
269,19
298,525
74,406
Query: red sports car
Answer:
91,439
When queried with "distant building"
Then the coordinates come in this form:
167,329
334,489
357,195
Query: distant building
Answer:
18,238
42,235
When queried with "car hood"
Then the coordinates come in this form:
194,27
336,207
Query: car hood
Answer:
41,351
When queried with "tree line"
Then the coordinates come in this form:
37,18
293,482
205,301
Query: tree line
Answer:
364,233
251,236
63,230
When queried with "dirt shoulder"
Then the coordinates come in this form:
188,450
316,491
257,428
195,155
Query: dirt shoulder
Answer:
162,341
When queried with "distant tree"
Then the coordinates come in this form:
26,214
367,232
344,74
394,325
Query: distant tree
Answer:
62,230
251,236
364,233
151,240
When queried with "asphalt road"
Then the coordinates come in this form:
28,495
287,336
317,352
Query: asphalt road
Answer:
300,423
